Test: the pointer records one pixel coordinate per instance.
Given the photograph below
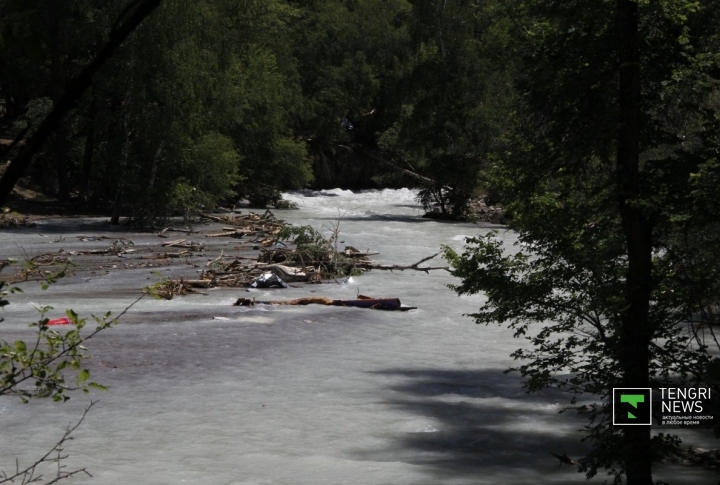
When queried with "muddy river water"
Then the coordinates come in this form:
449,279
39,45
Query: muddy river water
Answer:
205,393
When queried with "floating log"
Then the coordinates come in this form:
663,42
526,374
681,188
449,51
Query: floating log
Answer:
361,302
221,234
100,251
94,238
186,231
191,246
373,303
199,283
359,255
313,300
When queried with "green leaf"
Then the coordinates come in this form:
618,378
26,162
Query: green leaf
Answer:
83,375
100,387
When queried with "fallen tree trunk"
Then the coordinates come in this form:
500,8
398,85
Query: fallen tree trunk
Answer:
362,302
199,283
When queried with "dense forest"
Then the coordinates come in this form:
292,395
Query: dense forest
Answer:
208,101
595,123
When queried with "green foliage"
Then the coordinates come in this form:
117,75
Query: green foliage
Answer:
42,367
277,78
286,204
212,164
310,244
37,109
350,57
201,96
314,249
457,101
565,287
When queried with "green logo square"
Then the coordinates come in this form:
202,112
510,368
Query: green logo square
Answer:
632,406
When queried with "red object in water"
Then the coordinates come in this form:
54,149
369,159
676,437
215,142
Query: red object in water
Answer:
60,321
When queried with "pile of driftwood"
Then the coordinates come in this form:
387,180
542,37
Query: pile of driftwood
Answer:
237,272
35,268
234,273
291,253
40,266
348,262
262,227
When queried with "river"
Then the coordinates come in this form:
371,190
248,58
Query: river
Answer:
302,395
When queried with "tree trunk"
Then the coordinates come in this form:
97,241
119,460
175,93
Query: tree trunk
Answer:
89,151
58,87
125,154
153,169
636,332
115,218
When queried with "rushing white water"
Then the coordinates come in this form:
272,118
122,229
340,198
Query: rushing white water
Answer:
300,395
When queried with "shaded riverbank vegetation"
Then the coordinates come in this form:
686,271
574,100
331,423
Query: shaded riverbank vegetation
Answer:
205,103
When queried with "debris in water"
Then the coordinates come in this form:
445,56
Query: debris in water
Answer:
361,302
268,280
60,321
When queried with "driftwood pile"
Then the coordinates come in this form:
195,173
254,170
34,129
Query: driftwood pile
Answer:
251,224
293,254
268,245
239,273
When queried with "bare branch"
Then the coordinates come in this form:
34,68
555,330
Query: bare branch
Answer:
27,475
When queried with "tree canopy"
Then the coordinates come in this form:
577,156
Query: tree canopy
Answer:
277,91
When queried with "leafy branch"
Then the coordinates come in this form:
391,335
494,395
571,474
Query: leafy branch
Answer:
44,361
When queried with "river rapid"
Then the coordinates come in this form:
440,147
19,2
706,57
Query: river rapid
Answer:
205,393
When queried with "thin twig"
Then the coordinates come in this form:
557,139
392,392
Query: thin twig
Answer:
27,475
